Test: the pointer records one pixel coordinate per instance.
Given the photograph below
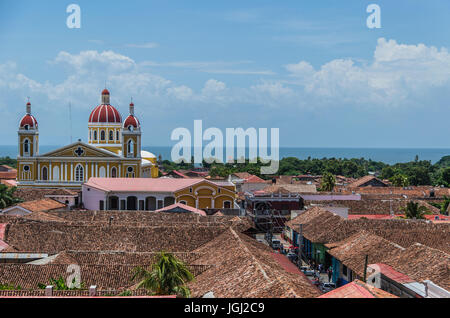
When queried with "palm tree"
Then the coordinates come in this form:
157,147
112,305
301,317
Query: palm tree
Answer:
415,211
7,197
328,182
167,276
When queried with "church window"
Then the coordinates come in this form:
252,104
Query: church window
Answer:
26,147
79,172
102,135
130,172
26,127
111,135
44,173
113,172
117,135
26,173
130,149
95,134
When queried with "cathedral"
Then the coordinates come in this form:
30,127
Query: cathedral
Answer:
113,150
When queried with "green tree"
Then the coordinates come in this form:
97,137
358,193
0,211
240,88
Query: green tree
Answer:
415,211
7,197
328,182
399,180
60,284
167,276
445,177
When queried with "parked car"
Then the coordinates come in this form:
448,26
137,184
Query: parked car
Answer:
292,256
327,287
276,244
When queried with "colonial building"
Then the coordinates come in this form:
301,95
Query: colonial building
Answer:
153,194
113,150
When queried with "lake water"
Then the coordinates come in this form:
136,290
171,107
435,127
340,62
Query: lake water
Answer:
387,155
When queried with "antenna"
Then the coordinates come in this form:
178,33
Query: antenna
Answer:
70,121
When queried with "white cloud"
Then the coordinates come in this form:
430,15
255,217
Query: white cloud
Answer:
149,45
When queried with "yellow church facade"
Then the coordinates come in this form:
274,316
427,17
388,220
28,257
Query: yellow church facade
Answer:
113,151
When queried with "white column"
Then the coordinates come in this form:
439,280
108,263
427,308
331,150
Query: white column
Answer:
85,171
92,169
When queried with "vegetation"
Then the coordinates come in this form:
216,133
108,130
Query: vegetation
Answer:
416,172
8,161
60,284
328,182
167,276
415,211
9,287
7,197
399,180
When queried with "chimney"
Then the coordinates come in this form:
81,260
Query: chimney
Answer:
49,290
92,291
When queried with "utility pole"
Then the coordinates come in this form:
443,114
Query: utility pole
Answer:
366,261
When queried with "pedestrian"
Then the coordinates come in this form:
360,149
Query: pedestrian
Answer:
330,273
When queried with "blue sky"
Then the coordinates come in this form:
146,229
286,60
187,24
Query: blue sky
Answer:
311,68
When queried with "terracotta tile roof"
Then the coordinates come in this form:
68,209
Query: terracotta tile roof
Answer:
362,181
28,276
181,206
244,267
352,251
9,183
53,237
142,184
42,205
321,226
390,272
8,175
36,194
421,262
357,289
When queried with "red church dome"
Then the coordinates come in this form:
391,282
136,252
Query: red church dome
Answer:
28,121
105,114
131,121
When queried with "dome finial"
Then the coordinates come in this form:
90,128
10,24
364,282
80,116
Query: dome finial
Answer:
105,97
28,106
131,107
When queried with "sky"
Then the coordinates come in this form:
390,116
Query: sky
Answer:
313,69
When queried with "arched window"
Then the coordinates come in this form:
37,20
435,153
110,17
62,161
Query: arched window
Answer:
26,174
79,173
113,172
227,204
102,135
130,149
183,202
44,173
117,135
130,172
26,147
111,135
95,134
